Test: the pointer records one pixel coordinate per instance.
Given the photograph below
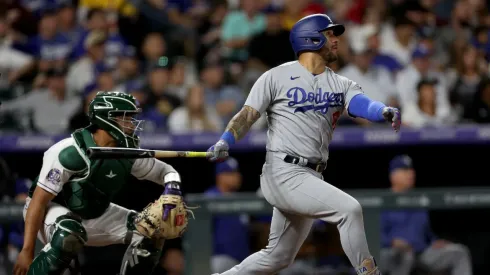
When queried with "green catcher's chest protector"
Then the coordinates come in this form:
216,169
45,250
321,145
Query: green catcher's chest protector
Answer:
89,191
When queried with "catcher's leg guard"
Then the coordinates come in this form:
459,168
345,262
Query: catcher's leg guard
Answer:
68,239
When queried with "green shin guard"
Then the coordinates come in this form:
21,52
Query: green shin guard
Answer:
68,240
141,258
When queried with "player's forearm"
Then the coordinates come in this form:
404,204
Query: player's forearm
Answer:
155,170
240,124
361,106
33,222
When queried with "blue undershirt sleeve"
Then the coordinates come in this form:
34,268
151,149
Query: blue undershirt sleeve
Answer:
362,106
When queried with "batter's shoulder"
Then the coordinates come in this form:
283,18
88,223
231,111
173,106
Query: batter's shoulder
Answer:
68,154
281,69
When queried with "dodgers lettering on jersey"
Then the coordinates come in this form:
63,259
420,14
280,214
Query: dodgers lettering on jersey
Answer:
302,109
319,101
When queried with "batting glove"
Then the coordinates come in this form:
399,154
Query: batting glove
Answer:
393,115
219,151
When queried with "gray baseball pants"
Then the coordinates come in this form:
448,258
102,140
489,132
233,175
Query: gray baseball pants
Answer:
299,195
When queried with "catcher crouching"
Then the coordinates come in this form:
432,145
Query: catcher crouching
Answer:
69,205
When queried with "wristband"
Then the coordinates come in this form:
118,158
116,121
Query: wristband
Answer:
228,137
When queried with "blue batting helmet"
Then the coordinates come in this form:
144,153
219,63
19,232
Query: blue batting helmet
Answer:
306,34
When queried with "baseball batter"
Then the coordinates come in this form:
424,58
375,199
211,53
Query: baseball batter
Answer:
303,101
69,204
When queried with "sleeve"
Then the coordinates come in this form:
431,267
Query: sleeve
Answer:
53,174
22,103
154,170
18,59
262,93
177,122
351,90
230,27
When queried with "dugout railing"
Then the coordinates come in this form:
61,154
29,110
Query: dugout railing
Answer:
198,239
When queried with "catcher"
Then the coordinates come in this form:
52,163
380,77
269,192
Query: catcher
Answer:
69,205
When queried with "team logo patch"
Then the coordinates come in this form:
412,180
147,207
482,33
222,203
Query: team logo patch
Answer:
54,176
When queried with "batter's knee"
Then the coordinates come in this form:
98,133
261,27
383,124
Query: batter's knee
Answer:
351,209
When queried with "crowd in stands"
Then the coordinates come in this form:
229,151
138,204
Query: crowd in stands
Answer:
191,63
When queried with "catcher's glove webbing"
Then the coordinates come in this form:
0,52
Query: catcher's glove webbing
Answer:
150,221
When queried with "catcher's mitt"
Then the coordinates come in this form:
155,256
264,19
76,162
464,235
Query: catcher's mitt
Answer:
150,223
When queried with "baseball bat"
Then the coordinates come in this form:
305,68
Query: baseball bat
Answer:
132,153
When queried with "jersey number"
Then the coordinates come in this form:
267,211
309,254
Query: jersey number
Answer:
335,118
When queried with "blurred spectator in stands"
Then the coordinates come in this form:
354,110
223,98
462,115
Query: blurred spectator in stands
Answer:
195,116
171,18
479,109
376,81
469,71
115,44
153,49
227,99
20,17
173,262
399,41
182,76
481,41
158,103
82,72
420,68
122,7
230,232
267,50
210,31
80,119
239,27
426,111
293,10
68,24
371,32
96,20
127,72
104,80
39,107
407,238
14,64
50,47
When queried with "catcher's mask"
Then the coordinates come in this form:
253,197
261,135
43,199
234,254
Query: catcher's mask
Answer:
117,113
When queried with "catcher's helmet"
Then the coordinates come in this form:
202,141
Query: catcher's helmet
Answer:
114,112
306,34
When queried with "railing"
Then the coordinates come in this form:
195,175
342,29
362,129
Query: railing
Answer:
344,137
198,238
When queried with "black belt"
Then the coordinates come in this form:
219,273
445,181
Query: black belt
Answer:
319,167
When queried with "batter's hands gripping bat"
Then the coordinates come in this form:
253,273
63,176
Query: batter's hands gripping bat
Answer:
131,153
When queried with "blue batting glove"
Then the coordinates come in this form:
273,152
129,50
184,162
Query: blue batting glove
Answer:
393,115
171,188
219,151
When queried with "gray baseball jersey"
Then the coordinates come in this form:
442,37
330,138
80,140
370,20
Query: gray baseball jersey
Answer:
302,109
